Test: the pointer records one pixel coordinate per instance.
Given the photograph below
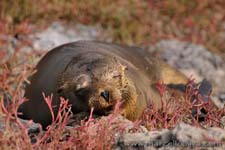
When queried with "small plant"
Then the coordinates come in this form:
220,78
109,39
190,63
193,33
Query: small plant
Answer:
12,77
180,109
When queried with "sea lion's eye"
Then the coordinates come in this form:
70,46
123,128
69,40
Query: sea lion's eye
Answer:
105,95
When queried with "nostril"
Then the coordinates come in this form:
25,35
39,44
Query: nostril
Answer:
105,95
123,114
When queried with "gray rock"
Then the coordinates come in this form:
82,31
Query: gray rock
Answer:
32,128
193,60
151,139
57,34
183,136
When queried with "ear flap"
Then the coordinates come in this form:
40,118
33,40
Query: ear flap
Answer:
80,82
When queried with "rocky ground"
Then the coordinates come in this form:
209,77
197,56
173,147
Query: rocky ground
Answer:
194,60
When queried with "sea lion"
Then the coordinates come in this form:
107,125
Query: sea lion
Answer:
97,74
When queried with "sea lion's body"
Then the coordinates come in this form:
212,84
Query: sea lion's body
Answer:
63,63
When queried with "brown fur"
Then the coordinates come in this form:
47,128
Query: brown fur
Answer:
82,70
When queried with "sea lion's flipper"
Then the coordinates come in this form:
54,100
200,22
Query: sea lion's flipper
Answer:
178,87
204,90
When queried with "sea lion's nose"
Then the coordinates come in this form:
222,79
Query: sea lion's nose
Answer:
105,95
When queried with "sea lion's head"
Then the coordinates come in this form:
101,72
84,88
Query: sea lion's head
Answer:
100,84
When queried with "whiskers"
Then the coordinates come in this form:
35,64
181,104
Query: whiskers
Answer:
126,96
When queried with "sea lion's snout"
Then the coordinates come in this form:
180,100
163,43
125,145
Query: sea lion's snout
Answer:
82,81
103,97
78,83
